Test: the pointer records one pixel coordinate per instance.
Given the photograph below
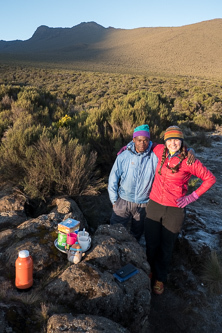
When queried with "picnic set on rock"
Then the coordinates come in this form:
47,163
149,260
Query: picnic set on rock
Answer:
72,241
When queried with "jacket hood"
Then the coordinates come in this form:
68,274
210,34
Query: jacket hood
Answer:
131,147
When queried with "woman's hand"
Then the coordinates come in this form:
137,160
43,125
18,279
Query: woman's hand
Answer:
187,199
191,157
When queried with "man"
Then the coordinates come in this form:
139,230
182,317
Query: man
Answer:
130,181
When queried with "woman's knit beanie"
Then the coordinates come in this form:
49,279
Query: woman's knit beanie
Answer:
173,132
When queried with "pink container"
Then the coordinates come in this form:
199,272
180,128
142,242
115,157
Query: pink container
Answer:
71,238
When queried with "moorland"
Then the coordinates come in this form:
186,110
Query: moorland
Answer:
61,129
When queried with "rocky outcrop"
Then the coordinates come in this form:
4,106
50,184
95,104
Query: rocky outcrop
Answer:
82,295
90,287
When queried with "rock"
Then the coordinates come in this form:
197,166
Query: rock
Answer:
6,236
70,209
97,209
11,219
12,211
12,200
13,318
83,323
64,205
91,288
87,288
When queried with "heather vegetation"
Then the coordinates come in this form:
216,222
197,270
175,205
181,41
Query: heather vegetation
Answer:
60,130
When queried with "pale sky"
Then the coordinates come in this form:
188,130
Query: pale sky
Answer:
19,19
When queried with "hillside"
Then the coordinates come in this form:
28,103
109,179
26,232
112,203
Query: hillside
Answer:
191,50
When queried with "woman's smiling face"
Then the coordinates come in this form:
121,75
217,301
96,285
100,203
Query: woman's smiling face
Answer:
173,145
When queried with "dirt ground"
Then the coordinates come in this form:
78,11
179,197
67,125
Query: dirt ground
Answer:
170,313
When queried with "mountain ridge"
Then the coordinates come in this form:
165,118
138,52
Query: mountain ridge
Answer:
194,49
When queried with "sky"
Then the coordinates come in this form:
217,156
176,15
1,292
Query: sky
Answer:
19,19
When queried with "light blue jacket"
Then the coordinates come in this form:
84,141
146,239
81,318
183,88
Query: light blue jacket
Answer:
132,175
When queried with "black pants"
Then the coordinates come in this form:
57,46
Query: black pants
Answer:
159,240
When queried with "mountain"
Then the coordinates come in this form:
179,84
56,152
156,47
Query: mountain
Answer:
194,49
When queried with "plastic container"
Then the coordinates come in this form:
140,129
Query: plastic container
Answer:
75,253
24,270
68,226
62,238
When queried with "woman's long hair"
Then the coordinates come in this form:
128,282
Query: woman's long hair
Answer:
182,155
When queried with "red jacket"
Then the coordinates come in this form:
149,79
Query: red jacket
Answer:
168,186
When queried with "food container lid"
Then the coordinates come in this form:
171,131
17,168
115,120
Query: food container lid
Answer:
23,254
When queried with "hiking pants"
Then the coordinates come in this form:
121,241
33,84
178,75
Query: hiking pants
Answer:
159,240
126,211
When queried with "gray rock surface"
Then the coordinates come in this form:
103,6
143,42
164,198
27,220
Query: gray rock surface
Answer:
90,287
88,290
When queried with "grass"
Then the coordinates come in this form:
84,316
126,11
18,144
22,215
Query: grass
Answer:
212,273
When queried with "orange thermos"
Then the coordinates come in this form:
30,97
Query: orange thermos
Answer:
24,270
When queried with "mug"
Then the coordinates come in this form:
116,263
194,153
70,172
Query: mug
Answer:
82,233
84,242
71,238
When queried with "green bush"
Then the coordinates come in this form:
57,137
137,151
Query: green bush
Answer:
14,151
61,167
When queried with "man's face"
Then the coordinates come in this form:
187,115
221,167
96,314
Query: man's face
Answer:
141,143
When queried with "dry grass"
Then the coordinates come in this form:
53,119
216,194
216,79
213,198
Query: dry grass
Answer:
212,273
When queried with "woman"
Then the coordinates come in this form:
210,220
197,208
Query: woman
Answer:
165,209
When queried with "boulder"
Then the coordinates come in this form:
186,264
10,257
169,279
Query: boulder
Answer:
11,200
12,211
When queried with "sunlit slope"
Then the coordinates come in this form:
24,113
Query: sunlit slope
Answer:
188,50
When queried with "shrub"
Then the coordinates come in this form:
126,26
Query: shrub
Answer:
61,167
5,121
139,108
15,149
193,183
203,122
64,121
